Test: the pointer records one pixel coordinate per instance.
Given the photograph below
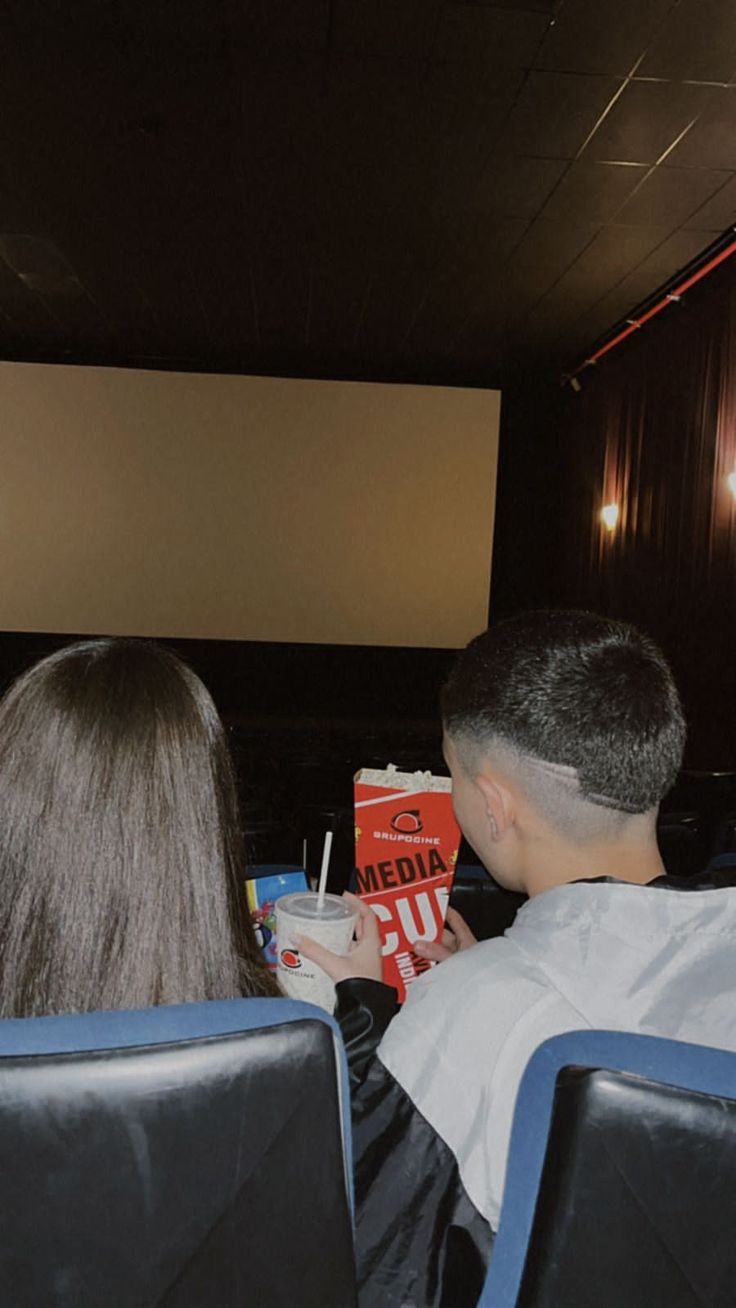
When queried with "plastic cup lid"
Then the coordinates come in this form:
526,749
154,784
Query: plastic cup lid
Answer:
305,904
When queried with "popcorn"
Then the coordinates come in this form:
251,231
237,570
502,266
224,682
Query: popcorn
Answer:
406,846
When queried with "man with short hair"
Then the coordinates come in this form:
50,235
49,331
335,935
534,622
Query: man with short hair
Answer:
563,731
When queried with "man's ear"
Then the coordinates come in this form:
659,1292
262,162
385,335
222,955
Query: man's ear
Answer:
499,804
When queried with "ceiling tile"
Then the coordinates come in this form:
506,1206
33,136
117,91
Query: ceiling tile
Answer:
555,311
368,96
711,143
241,183
395,28
670,195
385,237
475,267
718,213
480,266
464,99
588,37
555,113
600,266
405,170
697,42
593,192
296,85
515,185
662,264
585,334
545,253
468,86
672,256
532,6
485,243
473,33
271,26
646,120
608,258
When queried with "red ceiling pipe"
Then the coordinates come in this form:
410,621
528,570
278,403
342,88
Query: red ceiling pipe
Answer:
634,324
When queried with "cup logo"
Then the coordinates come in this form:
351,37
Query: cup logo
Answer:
290,959
408,822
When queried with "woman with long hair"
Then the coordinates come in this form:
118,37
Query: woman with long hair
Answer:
121,853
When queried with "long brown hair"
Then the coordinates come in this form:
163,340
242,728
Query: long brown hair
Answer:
121,857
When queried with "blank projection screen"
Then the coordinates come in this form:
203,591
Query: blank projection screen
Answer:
250,508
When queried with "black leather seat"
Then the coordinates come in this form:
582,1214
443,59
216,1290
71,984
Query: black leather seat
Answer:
487,908
621,1184
683,843
184,1157
710,795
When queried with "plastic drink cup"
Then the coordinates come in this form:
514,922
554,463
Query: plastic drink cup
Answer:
330,923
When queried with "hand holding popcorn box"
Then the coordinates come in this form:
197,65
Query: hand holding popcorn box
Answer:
406,844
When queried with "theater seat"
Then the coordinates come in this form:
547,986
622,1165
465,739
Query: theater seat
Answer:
724,841
487,908
193,1156
683,843
621,1182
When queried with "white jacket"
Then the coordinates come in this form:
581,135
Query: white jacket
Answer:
599,954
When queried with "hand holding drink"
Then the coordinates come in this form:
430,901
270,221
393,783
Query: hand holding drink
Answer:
315,931
309,925
315,928
363,956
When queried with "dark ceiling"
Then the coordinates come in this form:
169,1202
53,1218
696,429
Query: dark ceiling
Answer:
400,189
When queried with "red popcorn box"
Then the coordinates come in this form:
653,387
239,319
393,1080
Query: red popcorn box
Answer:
406,843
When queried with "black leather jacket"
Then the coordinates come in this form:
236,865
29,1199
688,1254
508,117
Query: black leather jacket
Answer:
420,1243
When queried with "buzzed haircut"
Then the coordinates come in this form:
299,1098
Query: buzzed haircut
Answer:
584,705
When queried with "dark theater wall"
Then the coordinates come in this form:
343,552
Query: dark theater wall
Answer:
259,682
654,431
302,719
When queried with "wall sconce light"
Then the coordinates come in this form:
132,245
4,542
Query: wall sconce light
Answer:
731,479
609,515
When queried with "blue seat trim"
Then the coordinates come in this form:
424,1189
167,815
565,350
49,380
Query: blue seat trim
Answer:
122,1028
258,870
697,1068
719,861
76,1033
472,872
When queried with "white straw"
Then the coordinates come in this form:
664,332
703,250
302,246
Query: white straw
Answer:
323,871
304,853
